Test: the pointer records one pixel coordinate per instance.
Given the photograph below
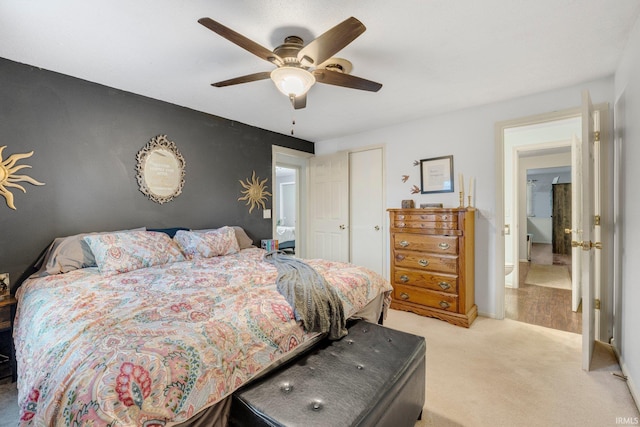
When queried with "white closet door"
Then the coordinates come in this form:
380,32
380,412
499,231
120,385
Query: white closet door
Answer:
367,209
329,207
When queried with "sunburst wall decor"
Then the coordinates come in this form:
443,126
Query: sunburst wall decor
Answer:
255,192
8,178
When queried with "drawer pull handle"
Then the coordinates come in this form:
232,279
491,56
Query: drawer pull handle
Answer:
404,278
404,296
399,257
400,224
444,304
444,285
404,243
444,246
423,262
445,217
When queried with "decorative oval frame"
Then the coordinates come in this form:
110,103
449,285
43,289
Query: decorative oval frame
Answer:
160,170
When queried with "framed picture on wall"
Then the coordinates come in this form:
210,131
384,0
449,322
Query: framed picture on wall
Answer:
436,175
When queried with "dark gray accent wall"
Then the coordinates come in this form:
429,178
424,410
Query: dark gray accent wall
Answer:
86,136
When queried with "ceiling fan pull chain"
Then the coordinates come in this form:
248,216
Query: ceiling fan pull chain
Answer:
293,124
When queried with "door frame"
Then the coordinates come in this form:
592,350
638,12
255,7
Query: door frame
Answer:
299,160
606,313
500,128
519,208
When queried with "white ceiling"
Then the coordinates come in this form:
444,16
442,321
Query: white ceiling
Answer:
432,56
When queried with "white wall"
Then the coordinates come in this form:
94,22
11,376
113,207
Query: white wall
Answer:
541,230
627,270
469,136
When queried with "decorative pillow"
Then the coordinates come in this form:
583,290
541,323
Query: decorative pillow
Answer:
121,252
208,243
244,241
70,253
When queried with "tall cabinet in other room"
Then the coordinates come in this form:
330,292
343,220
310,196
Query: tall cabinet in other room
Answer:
432,263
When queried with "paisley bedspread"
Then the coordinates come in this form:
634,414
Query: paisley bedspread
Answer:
157,345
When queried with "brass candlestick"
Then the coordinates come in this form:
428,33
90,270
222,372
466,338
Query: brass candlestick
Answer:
469,205
462,199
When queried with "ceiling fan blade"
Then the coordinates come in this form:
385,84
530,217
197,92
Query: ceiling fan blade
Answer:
243,79
345,80
331,42
299,102
241,41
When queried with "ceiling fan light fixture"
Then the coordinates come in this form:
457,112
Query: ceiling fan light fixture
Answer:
292,81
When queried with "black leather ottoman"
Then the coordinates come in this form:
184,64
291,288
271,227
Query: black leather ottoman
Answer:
375,376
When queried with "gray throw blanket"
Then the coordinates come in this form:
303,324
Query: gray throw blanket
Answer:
313,300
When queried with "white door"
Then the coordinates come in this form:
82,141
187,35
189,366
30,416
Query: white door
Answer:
367,209
597,232
329,207
576,222
587,232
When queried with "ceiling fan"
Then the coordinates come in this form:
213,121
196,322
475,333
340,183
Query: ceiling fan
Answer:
298,66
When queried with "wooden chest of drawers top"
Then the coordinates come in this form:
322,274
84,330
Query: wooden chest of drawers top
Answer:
427,221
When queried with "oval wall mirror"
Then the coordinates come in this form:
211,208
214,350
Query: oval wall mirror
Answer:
160,170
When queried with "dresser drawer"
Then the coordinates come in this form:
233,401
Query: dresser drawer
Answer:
425,221
429,217
426,261
425,297
434,225
424,243
436,282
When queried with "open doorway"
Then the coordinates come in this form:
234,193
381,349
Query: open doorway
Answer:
290,191
286,208
592,237
544,293
537,188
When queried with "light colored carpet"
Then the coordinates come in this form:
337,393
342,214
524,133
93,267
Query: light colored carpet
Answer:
496,373
551,276
508,373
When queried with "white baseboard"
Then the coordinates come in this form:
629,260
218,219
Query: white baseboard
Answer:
630,383
489,315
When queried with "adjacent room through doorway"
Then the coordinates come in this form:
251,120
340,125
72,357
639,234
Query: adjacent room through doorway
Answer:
539,290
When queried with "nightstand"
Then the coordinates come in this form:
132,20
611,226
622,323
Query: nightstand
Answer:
7,353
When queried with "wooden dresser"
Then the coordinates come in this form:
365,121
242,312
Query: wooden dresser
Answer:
432,263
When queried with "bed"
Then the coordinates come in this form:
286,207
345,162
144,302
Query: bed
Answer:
140,328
